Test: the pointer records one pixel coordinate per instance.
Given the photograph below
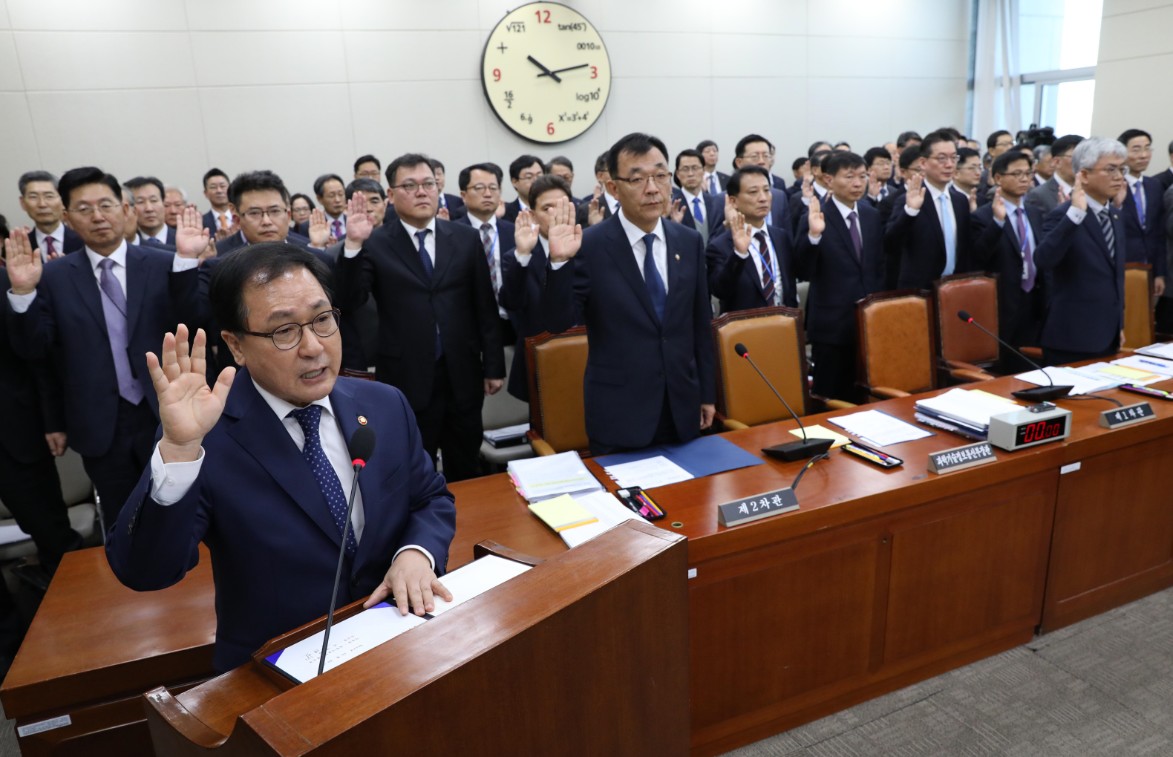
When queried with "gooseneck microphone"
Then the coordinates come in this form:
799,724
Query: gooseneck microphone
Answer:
361,445
791,450
1035,393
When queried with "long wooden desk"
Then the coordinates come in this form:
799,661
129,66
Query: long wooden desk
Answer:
880,579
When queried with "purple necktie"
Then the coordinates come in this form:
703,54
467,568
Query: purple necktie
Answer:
856,239
337,229
50,247
1028,260
114,308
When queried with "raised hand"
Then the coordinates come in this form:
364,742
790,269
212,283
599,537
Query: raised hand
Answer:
525,233
816,223
676,212
23,262
319,229
1118,200
998,205
594,211
914,197
808,189
442,214
735,222
500,213
188,409
1078,196
191,238
233,228
972,196
874,186
565,236
209,250
359,222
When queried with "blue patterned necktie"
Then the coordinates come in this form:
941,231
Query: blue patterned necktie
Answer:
309,418
652,278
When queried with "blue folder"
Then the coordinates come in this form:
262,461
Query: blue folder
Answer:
703,456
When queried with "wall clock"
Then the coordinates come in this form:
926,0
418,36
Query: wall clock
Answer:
546,72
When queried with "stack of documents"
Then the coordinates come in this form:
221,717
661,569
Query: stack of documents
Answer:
1081,380
878,428
539,478
608,512
964,411
508,436
1147,363
647,473
1160,349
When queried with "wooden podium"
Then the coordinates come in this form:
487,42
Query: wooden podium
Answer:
585,654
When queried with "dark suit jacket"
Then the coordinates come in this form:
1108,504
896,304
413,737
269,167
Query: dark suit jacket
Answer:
273,542
1085,286
458,297
521,296
210,222
777,182
837,278
169,244
1165,178
779,213
73,242
1045,197
996,250
237,240
710,209
66,320
734,280
919,242
634,358
456,207
582,212
1145,244
28,410
512,208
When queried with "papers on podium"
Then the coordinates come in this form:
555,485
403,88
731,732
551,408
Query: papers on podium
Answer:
544,477
370,628
608,513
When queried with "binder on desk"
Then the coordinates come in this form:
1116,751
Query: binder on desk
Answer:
703,456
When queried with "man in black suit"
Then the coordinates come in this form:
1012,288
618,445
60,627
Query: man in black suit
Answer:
879,167
1081,256
330,190
98,311
997,143
638,283
220,221
360,328
756,150
801,168
815,187
480,188
40,200
560,166
260,203
1143,210
438,338
967,175
691,204
147,192
602,204
840,251
449,202
1006,233
1057,190
751,264
903,142
714,181
929,236
522,173
1166,177
368,167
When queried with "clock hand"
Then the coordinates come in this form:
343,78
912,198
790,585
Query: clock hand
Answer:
568,68
549,73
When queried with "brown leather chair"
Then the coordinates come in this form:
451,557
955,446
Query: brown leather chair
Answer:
965,350
896,343
557,364
774,338
1138,305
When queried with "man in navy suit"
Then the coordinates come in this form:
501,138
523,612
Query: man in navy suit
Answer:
524,268
40,199
929,237
257,467
330,190
147,192
454,204
260,203
692,205
601,205
755,150
750,265
1082,259
714,180
480,188
98,311
1006,233
221,220
522,173
1144,210
439,342
879,166
840,250
639,285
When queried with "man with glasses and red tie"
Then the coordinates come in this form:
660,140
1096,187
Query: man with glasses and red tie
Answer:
929,236
99,311
439,339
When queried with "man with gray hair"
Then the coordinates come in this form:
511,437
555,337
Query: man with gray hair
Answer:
1082,257
40,200
1044,166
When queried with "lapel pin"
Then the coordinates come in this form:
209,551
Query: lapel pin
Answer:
678,256
362,420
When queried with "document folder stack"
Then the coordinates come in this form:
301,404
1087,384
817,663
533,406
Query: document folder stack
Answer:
964,412
539,478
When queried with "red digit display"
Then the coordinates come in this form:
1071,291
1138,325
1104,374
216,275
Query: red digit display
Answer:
1040,431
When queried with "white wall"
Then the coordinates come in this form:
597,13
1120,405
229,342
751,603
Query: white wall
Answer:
1132,76
171,87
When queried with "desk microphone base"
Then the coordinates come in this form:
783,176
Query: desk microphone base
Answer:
1042,393
799,450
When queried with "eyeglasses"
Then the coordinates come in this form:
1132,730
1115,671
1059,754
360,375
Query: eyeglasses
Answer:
481,188
689,169
756,156
256,214
105,206
288,336
372,174
1111,170
661,177
1019,174
528,176
945,159
411,187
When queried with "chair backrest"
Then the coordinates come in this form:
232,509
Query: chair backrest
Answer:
557,364
774,338
1138,304
896,341
960,341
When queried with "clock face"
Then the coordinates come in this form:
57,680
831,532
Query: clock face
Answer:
546,72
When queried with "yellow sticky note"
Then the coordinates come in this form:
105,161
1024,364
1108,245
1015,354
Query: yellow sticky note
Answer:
562,512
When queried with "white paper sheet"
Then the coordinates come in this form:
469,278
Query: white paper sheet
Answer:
476,578
972,407
604,506
648,473
1160,349
1079,381
878,428
348,640
547,476
1145,363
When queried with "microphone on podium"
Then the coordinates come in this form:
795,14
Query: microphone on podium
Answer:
791,451
1035,393
362,444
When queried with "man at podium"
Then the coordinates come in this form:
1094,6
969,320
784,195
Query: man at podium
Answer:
257,467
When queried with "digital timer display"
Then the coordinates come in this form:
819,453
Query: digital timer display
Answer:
1040,431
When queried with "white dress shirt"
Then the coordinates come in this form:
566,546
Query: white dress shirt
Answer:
58,235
